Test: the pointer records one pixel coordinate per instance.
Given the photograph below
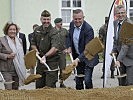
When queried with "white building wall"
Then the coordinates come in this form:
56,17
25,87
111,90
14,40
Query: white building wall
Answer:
4,14
96,11
27,12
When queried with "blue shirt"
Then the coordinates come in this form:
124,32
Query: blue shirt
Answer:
76,35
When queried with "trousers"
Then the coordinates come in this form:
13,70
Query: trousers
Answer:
86,81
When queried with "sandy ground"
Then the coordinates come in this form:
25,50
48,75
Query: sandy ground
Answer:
97,81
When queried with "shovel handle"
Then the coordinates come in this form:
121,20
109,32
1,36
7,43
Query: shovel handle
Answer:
71,57
3,80
2,77
43,62
115,62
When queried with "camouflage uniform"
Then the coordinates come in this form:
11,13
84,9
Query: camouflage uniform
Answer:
44,39
102,33
62,33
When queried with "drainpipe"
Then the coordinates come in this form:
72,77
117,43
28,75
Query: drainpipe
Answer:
12,17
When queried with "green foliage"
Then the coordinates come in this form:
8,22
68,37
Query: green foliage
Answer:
100,57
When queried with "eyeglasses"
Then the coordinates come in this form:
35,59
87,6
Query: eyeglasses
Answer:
121,12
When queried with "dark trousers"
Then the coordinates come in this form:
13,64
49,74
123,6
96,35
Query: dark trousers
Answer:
87,79
62,64
129,71
122,81
49,78
112,68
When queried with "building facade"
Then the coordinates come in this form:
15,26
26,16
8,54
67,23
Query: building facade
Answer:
27,12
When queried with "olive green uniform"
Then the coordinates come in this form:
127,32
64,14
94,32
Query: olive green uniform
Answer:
44,39
62,34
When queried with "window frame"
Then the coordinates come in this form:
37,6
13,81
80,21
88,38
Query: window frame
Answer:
71,8
130,8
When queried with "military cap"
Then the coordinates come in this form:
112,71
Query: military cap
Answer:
45,13
58,20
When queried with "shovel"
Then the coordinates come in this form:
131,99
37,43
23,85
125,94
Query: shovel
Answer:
71,57
3,80
119,74
46,64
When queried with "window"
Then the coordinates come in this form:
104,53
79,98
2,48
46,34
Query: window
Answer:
131,3
131,14
65,3
76,3
66,15
131,10
67,8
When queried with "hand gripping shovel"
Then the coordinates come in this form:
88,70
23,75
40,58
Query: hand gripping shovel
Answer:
3,80
71,57
46,64
119,73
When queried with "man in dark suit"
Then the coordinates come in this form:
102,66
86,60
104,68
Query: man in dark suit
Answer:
23,38
121,17
126,57
80,33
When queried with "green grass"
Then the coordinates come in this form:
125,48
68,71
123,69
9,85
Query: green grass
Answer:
100,57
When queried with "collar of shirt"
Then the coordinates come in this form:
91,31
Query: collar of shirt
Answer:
78,27
120,22
18,34
76,35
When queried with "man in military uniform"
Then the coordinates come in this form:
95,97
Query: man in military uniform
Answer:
103,30
62,33
102,36
45,42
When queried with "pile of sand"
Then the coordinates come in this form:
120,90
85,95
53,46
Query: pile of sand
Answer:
119,93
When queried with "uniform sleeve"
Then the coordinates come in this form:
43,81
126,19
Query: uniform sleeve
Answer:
101,33
55,39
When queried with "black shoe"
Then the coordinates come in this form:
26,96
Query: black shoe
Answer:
62,85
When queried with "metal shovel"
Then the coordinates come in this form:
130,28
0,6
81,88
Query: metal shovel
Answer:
3,80
80,75
117,67
46,64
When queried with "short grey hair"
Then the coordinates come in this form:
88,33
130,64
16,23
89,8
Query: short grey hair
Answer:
119,7
77,11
